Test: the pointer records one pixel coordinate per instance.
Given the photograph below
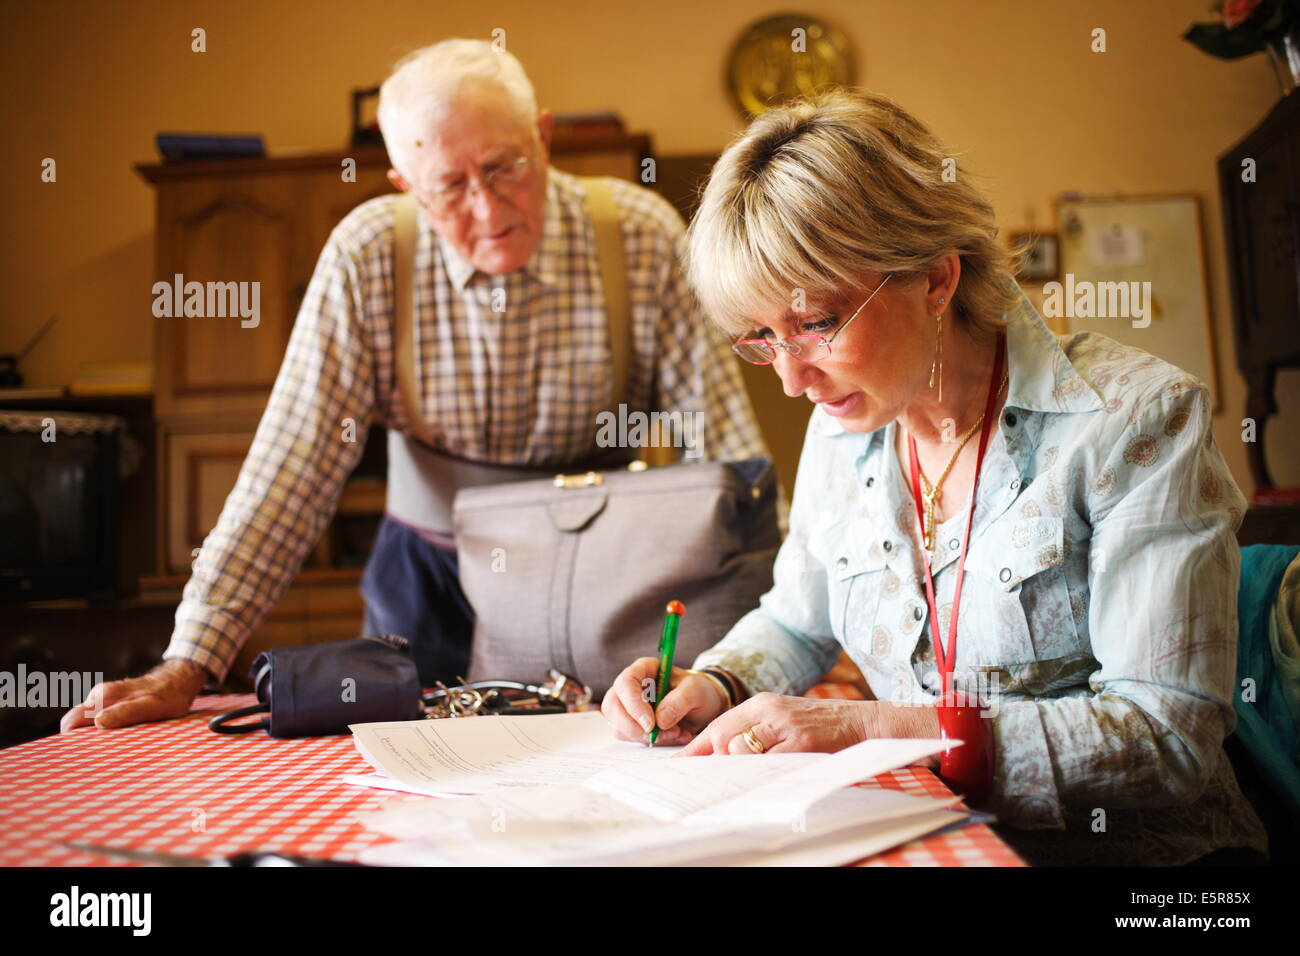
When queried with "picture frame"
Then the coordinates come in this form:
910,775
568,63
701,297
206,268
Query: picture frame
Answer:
1042,259
365,118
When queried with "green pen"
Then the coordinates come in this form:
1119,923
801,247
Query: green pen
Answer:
667,646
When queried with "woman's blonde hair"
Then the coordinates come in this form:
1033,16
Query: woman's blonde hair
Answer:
815,194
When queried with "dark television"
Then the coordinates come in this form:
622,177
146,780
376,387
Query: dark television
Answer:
58,505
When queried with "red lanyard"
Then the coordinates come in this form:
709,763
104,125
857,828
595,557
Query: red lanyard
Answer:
945,661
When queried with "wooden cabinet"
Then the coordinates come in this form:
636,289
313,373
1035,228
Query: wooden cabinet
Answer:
1259,180
239,221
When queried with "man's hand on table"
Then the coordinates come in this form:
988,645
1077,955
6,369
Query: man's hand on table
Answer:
166,691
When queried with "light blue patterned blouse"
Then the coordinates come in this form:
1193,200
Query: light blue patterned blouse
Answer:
1098,610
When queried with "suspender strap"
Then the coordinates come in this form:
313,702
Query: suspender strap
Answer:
408,384
613,279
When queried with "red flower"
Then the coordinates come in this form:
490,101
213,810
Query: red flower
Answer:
1238,11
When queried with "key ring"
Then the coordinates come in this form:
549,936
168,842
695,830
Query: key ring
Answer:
561,694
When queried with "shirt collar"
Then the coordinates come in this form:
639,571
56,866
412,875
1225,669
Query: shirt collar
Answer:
544,263
1041,377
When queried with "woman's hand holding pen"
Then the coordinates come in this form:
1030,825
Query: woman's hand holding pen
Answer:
690,706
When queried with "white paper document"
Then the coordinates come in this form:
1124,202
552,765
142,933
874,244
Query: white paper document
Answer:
560,789
839,849
775,789
577,826
482,754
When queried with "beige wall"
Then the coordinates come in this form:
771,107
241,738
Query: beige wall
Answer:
1009,83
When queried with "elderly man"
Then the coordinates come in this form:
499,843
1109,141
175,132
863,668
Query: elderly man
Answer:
512,369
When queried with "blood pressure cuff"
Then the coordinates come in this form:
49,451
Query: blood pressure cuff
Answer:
319,689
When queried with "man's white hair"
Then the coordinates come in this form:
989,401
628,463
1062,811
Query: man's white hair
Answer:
426,81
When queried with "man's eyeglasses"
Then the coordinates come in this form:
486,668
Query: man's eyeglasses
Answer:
502,180
806,346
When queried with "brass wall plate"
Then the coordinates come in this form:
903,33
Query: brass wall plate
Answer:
785,57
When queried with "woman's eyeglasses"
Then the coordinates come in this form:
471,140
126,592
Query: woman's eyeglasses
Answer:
806,346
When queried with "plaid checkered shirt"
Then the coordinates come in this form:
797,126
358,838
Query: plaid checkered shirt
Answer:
512,369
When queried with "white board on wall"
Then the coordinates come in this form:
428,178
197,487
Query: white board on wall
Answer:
1154,247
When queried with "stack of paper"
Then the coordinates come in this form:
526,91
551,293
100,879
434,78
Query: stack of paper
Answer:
560,789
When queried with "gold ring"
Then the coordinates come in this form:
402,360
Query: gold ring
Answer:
752,742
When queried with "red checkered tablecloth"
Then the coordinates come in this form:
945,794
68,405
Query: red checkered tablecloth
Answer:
176,787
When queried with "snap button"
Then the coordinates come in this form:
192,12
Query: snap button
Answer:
1015,483
871,480
954,544
1004,575
1010,419
841,564
888,546
916,613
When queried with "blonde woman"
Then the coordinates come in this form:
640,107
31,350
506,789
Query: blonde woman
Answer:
1096,556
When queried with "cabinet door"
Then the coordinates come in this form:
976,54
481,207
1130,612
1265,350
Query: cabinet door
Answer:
328,198
258,235
200,471
235,236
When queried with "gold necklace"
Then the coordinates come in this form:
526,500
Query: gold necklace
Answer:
930,494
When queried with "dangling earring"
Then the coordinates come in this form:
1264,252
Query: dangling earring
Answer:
938,351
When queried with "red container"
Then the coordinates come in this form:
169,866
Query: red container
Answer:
967,768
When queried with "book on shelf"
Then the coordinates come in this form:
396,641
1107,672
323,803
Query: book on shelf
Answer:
179,147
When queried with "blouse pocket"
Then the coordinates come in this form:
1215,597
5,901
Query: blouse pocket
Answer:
1022,591
855,571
